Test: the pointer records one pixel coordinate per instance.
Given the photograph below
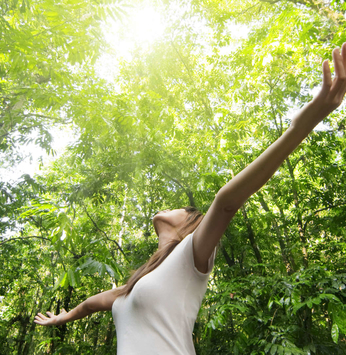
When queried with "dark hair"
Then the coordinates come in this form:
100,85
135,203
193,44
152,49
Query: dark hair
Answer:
193,219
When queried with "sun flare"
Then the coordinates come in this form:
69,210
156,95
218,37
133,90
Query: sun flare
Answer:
142,27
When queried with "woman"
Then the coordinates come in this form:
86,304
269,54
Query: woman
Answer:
155,311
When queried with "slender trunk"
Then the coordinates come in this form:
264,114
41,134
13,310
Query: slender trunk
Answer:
299,217
96,335
286,235
191,198
305,316
279,128
32,326
251,237
122,224
283,247
60,331
109,336
228,259
24,322
29,340
241,259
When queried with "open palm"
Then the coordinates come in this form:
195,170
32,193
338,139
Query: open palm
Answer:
50,320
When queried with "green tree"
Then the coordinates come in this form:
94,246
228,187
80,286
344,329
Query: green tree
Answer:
192,111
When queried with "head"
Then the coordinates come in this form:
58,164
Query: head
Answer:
176,224
173,225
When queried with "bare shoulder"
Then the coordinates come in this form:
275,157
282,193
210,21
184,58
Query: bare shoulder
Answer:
115,290
119,288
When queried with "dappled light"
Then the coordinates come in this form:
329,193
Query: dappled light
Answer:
135,109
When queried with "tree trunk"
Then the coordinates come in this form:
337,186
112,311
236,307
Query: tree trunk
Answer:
96,335
228,259
60,331
191,198
284,252
286,234
251,236
109,336
28,342
299,218
24,322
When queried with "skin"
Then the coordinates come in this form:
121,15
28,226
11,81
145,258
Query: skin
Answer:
167,224
233,195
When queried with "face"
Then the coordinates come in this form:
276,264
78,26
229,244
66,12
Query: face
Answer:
172,218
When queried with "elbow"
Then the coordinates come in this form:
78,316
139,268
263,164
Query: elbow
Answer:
88,306
227,202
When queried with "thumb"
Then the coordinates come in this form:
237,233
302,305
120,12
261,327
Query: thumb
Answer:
63,310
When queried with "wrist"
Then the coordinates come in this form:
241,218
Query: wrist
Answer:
308,118
59,320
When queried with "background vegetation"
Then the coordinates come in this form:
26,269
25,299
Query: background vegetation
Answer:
167,129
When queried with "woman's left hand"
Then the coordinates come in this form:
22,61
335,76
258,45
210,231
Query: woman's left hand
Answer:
333,91
331,94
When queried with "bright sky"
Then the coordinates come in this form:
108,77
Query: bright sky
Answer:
143,26
34,154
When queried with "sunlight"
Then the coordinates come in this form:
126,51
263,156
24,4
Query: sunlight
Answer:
146,25
143,26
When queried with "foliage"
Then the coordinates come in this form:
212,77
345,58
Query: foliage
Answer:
180,119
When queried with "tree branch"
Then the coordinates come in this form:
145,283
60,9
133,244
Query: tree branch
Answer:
270,1
37,237
23,238
104,233
248,9
309,218
187,190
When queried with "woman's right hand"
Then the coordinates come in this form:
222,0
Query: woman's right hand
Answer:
52,320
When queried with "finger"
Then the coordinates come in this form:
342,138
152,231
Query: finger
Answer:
340,73
326,79
343,54
42,316
63,310
338,62
50,314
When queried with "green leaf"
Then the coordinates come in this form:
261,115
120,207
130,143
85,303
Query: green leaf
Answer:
267,347
273,349
59,281
64,280
335,333
71,278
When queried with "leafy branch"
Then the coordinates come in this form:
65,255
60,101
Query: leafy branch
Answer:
186,189
37,237
104,233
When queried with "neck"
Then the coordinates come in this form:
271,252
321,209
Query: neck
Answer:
166,235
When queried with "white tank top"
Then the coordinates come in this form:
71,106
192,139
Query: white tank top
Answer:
158,316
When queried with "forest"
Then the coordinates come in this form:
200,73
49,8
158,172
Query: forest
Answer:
164,122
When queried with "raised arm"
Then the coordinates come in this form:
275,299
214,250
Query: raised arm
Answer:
233,195
100,302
